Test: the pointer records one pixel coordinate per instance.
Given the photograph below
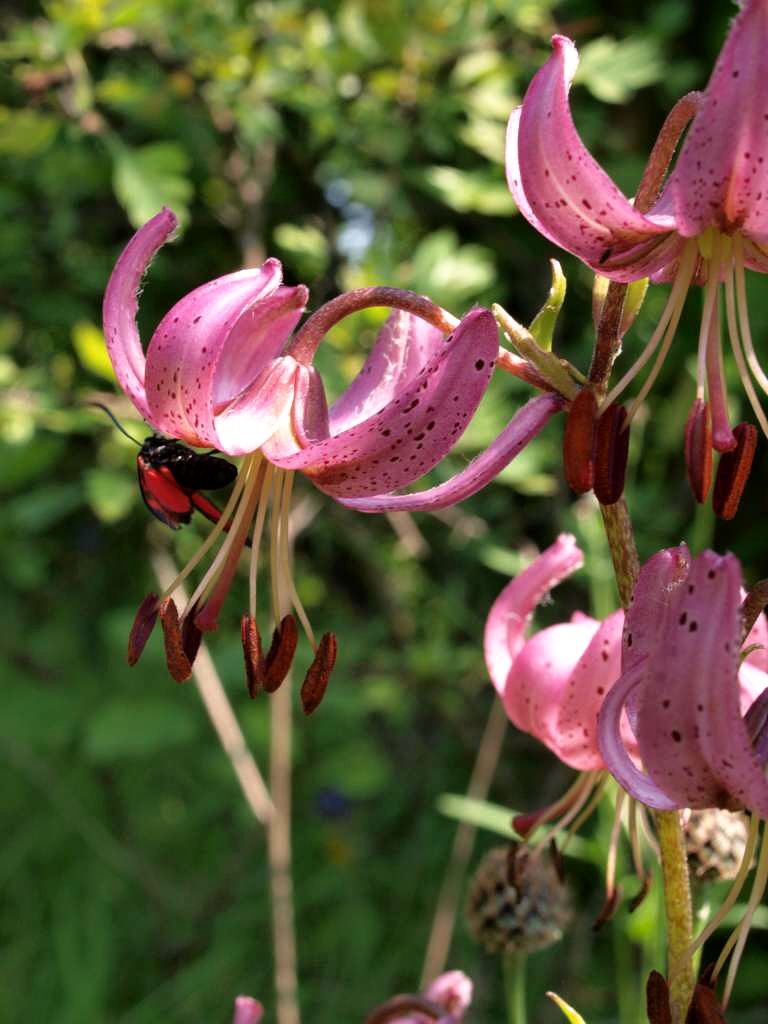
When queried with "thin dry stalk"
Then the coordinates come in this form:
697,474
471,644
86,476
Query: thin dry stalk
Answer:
444,921
219,710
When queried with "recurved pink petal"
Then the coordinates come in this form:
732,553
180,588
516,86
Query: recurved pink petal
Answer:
247,1011
520,430
557,180
261,411
416,429
404,344
453,991
573,726
121,304
308,420
721,176
611,743
758,635
538,678
692,688
211,347
512,610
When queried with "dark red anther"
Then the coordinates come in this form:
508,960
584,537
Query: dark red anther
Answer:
176,659
319,672
733,471
645,885
524,824
657,999
280,655
705,1007
191,635
141,630
610,907
611,453
579,442
698,449
255,665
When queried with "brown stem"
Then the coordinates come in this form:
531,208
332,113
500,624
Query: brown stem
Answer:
608,343
621,541
306,340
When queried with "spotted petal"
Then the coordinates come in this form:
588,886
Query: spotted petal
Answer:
721,177
413,431
210,350
556,181
121,306
512,610
521,429
247,1011
404,344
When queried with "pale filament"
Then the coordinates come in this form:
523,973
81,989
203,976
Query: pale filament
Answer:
733,893
711,289
613,846
741,300
586,812
252,469
215,533
258,529
722,436
739,937
738,354
667,324
284,555
576,794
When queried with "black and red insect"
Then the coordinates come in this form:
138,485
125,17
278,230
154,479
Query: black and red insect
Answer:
171,477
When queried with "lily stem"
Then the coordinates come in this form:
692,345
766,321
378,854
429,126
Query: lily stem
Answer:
674,862
514,967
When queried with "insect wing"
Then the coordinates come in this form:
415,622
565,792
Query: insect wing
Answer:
162,494
195,472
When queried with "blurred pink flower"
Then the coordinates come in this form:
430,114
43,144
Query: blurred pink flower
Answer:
708,224
444,1001
247,1011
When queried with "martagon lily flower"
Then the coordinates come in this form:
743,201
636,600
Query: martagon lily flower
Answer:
707,225
222,371
698,705
559,683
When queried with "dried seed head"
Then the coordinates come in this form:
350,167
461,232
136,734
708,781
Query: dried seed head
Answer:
280,655
516,901
733,471
141,630
176,659
319,672
579,442
611,453
715,841
698,449
255,665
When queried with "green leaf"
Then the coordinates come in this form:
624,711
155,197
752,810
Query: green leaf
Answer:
25,133
469,191
613,70
570,1013
139,727
91,350
149,177
110,494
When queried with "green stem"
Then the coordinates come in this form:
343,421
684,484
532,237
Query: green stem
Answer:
677,904
514,968
674,862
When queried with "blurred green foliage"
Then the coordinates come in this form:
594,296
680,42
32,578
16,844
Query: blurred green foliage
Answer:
361,142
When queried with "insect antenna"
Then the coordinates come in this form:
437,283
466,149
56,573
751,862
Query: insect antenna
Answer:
114,419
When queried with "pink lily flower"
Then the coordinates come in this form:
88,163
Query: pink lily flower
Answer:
698,711
707,225
554,683
444,1001
247,1011
222,371
686,692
